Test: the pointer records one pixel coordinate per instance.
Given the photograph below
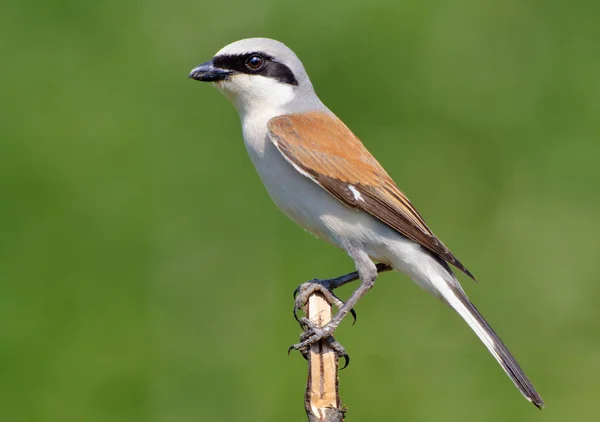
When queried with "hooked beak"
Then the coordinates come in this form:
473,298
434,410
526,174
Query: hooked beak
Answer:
206,72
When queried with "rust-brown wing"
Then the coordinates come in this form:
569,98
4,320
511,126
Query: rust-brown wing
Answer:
344,167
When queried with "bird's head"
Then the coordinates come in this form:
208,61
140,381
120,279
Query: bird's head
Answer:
259,73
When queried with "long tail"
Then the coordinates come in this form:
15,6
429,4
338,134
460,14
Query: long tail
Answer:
458,300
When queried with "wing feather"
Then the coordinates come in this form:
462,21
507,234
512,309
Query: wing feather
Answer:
344,163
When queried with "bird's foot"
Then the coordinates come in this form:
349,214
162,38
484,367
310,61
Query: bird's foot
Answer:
313,334
325,287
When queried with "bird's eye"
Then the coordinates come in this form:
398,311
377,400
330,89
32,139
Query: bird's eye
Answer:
255,62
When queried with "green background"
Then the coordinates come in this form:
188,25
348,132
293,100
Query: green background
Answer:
146,276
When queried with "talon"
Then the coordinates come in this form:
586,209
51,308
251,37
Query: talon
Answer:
298,319
353,313
346,361
303,352
296,291
339,351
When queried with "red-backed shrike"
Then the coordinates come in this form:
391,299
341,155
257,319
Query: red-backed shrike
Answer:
323,178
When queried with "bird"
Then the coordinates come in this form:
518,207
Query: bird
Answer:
321,176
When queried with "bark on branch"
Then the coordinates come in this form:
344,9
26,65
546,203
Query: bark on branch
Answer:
322,401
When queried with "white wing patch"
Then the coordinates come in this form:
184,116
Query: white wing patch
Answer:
356,193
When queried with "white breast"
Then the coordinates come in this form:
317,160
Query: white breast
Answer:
301,199
298,197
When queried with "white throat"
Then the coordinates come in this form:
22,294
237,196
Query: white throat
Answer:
258,99
257,95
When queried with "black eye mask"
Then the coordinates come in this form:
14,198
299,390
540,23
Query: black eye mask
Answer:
270,69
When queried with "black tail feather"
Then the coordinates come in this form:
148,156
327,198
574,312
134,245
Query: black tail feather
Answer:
501,353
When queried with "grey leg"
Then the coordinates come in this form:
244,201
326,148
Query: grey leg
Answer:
326,287
367,272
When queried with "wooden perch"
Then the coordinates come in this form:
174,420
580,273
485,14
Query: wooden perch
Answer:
321,400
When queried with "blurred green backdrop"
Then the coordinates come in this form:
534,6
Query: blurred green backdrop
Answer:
146,276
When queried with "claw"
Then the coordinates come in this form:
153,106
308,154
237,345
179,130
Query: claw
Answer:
346,361
296,316
306,324
339,351
353,313
296,291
